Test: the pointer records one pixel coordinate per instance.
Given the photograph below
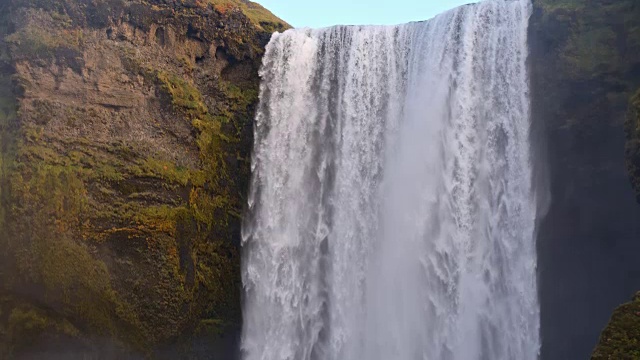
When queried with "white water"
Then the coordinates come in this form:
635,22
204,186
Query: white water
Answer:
392,213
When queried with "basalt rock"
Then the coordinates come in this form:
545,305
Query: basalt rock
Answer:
585,66
125,134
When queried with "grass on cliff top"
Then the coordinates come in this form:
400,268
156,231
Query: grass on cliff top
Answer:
260,16
621,339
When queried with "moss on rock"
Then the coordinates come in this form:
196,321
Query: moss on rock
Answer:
126,130
620,340
259,15
600,37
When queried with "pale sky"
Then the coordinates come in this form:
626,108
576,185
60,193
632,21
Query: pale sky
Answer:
322,13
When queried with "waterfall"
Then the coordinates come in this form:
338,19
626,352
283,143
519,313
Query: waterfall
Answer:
392,214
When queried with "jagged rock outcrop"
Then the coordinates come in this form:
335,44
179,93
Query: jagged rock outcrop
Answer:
126,131
585,66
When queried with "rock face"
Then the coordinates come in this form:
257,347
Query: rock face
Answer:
125,134
585,67
632,126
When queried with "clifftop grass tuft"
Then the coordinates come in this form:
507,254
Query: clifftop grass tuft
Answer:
258,15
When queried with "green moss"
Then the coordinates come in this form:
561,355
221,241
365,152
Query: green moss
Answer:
115,240
210,327
258,15
590,50
186,64
47,253
114,164
167,170
7,161
599,36
238,99
109,172
621,338
188,100
42,43
26,323
63,20
218,268
562,5
71,275
213,202
183,94
66,214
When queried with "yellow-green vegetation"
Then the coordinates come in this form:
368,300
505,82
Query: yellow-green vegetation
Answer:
57,178
25,322
46,252
591,49
212,209
183,95
44,43
7,119
107,165
209,208
217,268
621,339
109,238
238,102
603,35
260,16
562,5
7,155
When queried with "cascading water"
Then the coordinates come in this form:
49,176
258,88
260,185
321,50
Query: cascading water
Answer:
392,214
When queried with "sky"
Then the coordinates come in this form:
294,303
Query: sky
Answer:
322,13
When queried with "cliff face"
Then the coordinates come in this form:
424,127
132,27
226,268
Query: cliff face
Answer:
126,131
585,67
632,127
